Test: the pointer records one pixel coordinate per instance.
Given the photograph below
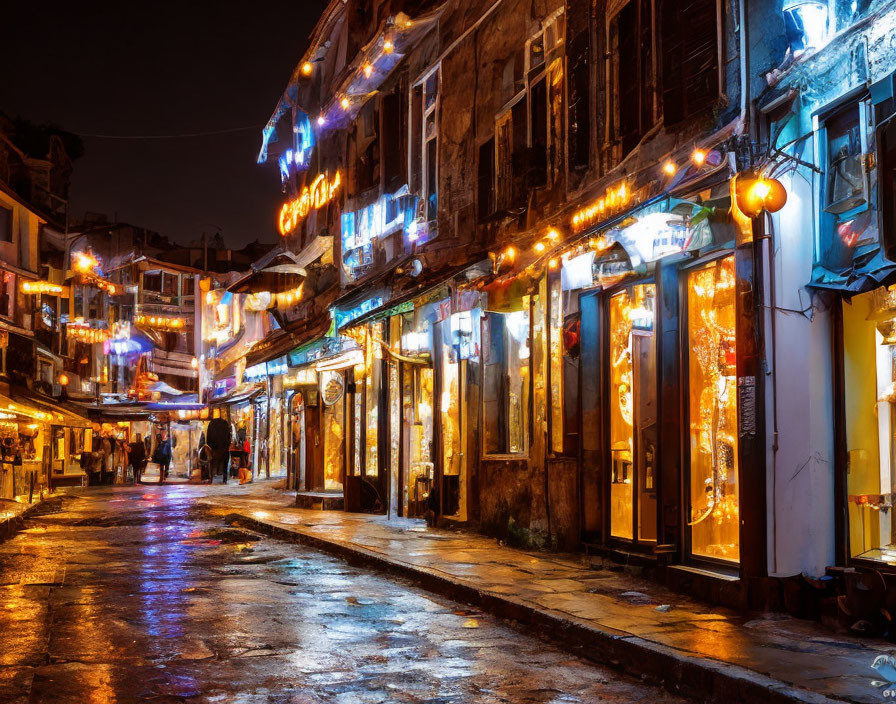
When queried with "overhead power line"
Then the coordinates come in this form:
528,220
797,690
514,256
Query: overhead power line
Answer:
172,136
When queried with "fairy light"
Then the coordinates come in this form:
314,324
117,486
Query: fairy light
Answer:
160,322
539,247
39,287
388,46
345,103
698,156
321,121
613,200
307,68
368,70
669,168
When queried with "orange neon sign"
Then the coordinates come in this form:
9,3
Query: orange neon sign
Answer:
317,195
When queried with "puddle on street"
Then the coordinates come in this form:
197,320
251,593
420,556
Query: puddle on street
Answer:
127,596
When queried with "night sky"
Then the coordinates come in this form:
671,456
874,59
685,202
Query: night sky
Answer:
162,68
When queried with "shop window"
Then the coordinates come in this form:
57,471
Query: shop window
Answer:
506,382
5,224
869,379
712,408
511,156
630,46
425,141
690,57
633,413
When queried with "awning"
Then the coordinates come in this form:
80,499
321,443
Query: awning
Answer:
282,341
865,274
238,395
279,278
56,411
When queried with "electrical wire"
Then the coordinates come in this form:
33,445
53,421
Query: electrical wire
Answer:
187,135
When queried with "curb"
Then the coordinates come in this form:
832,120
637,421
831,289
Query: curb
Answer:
12,525
693,676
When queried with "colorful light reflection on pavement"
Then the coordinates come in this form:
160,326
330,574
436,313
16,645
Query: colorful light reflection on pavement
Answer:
151,599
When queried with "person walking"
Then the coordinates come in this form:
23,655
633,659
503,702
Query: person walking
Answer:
162,456
137,457
218,436
106,471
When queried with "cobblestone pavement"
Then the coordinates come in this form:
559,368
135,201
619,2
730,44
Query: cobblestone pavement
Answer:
137,594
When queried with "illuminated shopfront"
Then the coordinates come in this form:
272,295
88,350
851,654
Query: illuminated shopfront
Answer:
869,366
642,325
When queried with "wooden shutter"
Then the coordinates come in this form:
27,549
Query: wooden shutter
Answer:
394,157
578,30
486,185
689,34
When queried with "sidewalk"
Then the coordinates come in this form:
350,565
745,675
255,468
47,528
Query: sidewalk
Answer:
605,615
13,513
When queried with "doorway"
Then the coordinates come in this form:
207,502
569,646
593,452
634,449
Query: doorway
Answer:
632,370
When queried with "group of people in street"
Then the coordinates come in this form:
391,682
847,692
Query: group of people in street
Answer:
111,454
220,452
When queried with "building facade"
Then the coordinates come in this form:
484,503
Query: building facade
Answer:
603,275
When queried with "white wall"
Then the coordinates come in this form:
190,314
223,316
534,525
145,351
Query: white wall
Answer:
800,475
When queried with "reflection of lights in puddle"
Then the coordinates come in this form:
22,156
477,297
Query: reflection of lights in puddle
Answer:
260,514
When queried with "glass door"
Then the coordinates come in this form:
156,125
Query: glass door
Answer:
633,416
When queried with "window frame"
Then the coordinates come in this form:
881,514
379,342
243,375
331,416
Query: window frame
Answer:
526,420
613,136
826,220
8,235
414,156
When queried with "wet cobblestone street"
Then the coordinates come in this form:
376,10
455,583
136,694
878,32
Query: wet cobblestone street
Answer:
135,594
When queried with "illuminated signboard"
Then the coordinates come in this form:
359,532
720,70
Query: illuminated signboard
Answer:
317,195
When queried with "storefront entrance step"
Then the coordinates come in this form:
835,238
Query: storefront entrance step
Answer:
320,500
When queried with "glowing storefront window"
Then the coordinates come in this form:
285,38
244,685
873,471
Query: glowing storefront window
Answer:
869,335
712,403
555,352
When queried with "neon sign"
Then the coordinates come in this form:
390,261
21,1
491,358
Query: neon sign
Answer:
317,195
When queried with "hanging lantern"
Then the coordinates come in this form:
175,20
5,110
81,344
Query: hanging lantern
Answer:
757,194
